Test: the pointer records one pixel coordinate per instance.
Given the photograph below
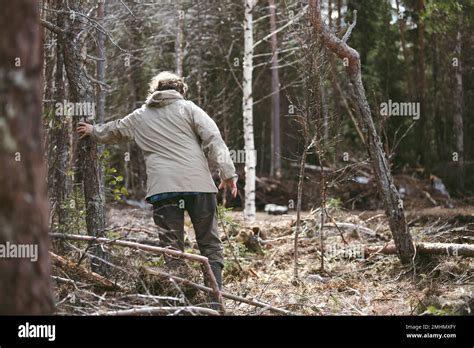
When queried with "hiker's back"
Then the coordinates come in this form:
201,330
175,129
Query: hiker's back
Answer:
174,158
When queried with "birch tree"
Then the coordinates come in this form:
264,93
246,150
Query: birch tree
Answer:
250,153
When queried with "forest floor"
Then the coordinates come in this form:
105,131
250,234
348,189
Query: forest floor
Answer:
260,265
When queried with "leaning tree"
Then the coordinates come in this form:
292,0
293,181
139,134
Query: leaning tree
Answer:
391,198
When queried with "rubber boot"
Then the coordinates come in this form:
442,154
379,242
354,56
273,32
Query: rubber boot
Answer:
216,268
217,271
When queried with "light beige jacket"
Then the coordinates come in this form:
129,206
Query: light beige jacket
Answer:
174,134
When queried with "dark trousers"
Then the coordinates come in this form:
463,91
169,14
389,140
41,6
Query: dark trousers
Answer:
168,215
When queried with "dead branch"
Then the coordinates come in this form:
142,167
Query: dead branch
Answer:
68,281
197,258
52,27
224,294
72,267
160,310
351,26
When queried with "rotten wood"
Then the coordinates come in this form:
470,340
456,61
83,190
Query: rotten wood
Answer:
71,267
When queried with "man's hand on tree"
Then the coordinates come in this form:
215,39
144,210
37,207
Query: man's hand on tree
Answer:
84,129
231,184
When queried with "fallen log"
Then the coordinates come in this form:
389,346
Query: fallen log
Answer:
448,249
176,253
72,267
224,294
160,310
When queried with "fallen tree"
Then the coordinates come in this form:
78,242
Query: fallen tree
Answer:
448,249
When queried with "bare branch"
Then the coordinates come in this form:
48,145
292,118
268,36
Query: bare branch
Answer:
349,30
297,17
52,27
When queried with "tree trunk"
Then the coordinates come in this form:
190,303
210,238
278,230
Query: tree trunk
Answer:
200,54
437,115
100,63
25,286
81,91
179,40
406,57
458,114
250,164
59,141
423,127
393,203
276,134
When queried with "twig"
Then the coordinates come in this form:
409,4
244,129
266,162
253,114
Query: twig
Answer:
290,22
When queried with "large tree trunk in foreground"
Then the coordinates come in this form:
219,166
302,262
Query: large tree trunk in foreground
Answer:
24,282
81,91
250,157
393,203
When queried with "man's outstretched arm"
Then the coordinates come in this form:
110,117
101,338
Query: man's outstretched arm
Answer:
112,132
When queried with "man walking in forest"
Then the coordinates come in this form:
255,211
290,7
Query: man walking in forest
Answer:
176,136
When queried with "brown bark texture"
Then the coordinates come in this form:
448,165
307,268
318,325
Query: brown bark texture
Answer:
25,286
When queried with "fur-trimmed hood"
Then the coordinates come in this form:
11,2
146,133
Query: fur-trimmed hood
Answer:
162,98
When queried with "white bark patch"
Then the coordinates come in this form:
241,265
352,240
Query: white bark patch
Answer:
249,210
